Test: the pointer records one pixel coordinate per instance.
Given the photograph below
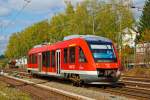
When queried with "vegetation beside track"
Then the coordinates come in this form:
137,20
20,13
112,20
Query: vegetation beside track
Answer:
138,72
9,93
3,62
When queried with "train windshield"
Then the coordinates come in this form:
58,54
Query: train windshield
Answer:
103,52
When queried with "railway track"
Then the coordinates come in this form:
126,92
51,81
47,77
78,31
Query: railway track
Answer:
40,92
143,83
123,90
137,93
134,88
143,79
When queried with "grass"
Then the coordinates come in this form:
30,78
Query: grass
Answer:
10,93
138,72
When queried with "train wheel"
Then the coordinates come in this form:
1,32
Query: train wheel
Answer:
76,81
73,79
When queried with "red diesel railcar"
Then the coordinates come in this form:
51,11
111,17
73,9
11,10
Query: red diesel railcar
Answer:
81,58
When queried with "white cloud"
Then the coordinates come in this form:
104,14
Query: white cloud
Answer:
3,47
74,2
2,50
3,43
4,38
4,11
6,23
36,6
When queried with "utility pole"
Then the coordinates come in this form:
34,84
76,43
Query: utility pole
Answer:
93,9
93,23
93,16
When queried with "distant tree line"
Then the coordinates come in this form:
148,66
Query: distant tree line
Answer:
2,56
92,17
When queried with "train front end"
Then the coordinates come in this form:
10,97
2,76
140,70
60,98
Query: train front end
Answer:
105,58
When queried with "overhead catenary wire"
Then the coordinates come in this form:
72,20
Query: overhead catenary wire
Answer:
14,18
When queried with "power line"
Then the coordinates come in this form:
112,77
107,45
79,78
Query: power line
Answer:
10,22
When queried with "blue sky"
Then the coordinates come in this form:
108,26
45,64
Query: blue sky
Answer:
12,21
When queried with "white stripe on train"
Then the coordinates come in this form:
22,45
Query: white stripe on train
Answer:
66,71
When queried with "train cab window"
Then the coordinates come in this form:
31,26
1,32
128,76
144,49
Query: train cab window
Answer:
81,55
72,55
53,59
65,55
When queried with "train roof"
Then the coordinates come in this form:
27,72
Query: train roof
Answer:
88,38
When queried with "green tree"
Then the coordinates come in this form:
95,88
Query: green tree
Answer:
58,28
69,23
144,24
20,43
12,47
62,24
82,20
110,19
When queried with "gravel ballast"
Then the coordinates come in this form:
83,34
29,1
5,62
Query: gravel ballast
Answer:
80,90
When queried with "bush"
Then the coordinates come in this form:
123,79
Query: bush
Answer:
3,63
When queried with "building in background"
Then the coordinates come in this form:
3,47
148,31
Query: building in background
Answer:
21,62
143,54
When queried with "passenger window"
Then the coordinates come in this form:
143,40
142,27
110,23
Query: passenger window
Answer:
47,58
43,58
33,59
81,55
30,62
65,55
72,55
53,59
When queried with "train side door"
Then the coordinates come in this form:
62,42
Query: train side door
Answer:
58,61
40,62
